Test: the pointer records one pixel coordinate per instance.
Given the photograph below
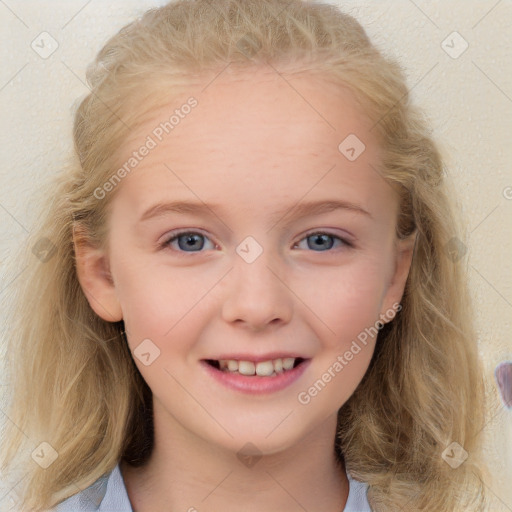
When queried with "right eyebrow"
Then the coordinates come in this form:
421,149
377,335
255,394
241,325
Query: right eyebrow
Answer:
301,210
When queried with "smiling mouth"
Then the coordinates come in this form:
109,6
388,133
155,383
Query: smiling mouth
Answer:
270,368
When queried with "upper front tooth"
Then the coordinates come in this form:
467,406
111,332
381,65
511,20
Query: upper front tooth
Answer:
265,368
232,365
288,363
246,367
262,368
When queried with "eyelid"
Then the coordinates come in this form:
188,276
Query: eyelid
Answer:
346,239
175,233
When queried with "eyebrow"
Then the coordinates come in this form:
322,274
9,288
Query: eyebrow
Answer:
300,210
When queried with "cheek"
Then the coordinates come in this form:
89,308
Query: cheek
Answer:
160,302
164,313
155,298
346,299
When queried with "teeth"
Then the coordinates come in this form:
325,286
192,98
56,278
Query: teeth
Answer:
262,369
246,367
288,363
232,365
265,369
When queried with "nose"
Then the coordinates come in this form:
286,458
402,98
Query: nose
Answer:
257,294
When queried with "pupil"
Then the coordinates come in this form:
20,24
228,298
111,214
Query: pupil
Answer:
322,238
190,241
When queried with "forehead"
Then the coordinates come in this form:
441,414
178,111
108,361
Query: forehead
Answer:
257,131
242,98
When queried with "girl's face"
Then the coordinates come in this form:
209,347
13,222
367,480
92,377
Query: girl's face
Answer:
253,269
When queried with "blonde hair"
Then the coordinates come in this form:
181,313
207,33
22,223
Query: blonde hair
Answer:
74,383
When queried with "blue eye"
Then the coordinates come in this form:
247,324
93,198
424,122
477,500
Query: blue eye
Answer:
187,240
193,241
324,241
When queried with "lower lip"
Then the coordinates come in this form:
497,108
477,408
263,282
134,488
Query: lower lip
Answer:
254,384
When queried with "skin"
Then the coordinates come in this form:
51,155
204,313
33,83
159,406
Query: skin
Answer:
255,145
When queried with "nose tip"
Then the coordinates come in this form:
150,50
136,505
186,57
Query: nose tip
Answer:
256,296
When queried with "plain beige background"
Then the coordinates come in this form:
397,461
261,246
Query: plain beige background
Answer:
457,55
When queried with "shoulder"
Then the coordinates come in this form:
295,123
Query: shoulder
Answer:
357,500
107,494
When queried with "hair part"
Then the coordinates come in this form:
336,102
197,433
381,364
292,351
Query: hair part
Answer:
74,382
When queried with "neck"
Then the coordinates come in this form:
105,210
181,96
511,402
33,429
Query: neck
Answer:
186,473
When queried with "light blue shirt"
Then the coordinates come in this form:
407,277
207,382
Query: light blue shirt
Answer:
108,494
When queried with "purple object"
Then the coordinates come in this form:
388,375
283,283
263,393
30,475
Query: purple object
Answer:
503,375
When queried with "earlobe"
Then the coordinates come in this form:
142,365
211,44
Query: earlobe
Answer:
95,278
403,261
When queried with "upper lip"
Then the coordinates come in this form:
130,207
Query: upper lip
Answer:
256,357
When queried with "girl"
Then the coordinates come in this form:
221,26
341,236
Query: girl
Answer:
244,293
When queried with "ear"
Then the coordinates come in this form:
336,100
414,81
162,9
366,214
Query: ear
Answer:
95,278
396,285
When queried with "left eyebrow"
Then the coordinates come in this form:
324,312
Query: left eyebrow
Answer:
300,210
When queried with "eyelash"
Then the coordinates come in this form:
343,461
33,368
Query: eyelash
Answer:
174,235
